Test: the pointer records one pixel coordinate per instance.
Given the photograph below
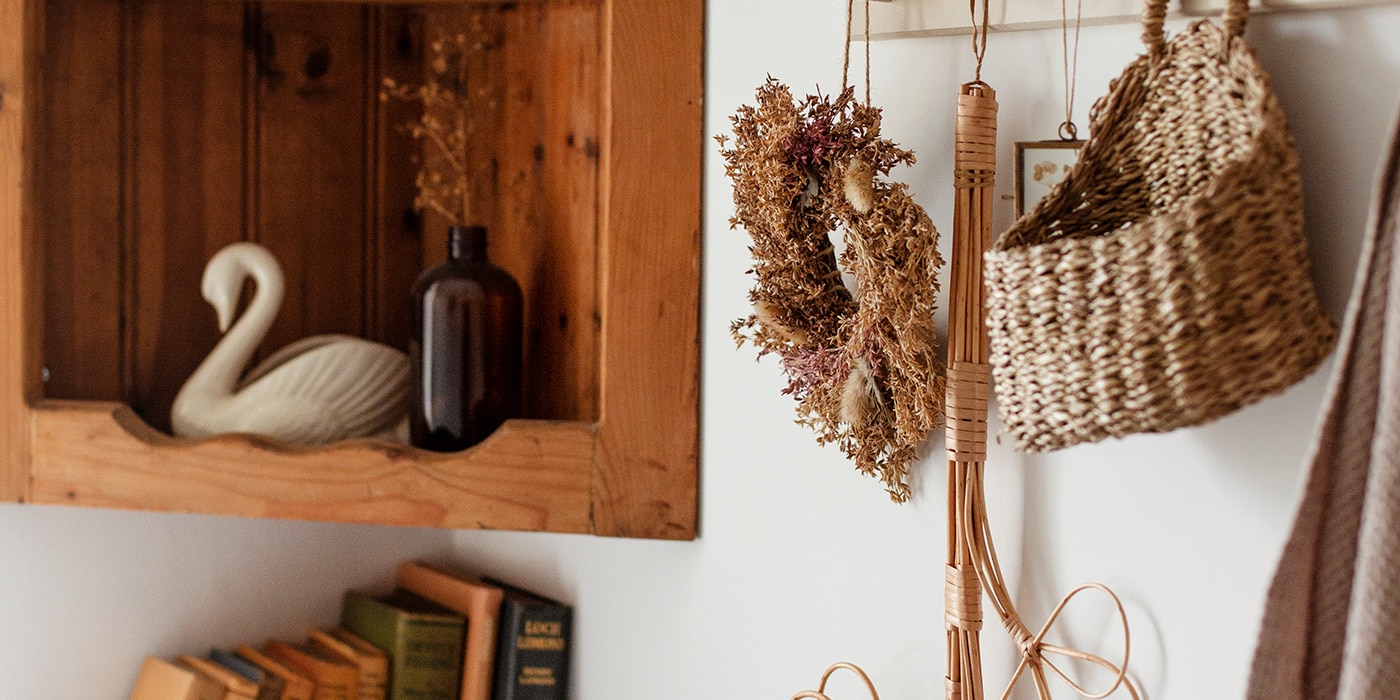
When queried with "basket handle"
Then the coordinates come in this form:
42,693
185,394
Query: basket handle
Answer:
1155,13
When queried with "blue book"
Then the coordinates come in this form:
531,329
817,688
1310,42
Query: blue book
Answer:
269,686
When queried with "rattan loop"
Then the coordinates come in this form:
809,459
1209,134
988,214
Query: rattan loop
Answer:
1034,649
1069,132
1236,16
1154,16
820,692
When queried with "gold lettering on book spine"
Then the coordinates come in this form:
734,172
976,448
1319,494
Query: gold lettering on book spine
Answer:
540,643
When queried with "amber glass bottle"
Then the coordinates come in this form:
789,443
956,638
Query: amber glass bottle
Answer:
466,348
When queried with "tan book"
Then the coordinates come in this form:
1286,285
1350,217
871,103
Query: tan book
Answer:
335,678
296,685
467,595
163,680
372,661
235,687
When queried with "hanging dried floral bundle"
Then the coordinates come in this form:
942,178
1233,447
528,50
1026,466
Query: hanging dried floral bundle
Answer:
864,368
443,182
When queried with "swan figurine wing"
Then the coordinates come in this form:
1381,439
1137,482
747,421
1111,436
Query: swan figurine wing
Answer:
317,390
327,388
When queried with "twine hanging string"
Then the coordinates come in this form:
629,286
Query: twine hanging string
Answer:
979,35
846,52
1068,131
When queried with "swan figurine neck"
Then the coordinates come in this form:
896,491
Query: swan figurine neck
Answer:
317,390
221,287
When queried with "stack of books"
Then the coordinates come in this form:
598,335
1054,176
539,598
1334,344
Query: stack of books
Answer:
439,635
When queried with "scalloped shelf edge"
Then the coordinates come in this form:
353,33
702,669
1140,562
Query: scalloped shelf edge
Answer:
529,475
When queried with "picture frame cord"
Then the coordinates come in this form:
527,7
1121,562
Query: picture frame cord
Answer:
1068,131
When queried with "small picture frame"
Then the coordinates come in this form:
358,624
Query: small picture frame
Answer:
1040,165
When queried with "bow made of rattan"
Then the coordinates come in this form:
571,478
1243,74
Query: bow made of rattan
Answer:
1034,649
1035,653
820,692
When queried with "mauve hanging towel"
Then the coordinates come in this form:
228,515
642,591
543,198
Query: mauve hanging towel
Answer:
1331,625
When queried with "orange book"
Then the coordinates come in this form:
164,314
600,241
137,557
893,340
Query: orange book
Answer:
235,687
335,678
296,686
162,680
372,661
468,595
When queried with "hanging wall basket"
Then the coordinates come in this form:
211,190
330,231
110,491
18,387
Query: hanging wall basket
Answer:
1164,283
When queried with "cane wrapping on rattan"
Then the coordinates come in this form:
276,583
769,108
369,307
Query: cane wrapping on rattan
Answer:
1164,283
965,411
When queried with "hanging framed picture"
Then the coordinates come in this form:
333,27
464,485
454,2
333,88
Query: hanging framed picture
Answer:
1040,165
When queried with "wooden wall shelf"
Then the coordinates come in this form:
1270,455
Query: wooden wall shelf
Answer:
115,186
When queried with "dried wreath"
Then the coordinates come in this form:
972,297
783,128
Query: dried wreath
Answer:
864,368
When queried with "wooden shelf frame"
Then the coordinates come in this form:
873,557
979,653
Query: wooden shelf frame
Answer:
632,473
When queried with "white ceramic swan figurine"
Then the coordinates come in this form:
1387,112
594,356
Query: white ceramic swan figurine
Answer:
314,391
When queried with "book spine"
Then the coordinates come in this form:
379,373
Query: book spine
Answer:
430,661
532,659
467,595
295,686
332,683
479,662
425,650
372,661
269,687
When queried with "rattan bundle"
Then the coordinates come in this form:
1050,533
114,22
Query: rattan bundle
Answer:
1164,283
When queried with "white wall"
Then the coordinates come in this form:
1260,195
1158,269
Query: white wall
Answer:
801,562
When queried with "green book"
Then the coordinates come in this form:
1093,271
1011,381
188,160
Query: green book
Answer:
423,641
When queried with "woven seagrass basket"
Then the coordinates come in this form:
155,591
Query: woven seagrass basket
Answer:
1164,283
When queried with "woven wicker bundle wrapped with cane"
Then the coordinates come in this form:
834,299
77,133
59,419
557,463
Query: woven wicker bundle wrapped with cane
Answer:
1164,282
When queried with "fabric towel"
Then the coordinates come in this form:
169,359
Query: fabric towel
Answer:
1331,626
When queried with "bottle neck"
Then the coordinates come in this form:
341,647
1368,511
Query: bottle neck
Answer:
466,243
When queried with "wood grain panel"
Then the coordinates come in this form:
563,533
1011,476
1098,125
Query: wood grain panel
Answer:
311,163
523,235
81,198
396,244
529,475
21,266
645,482
187,187
564,337
545,206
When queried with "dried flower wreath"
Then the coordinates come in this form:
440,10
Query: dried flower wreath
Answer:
864,368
